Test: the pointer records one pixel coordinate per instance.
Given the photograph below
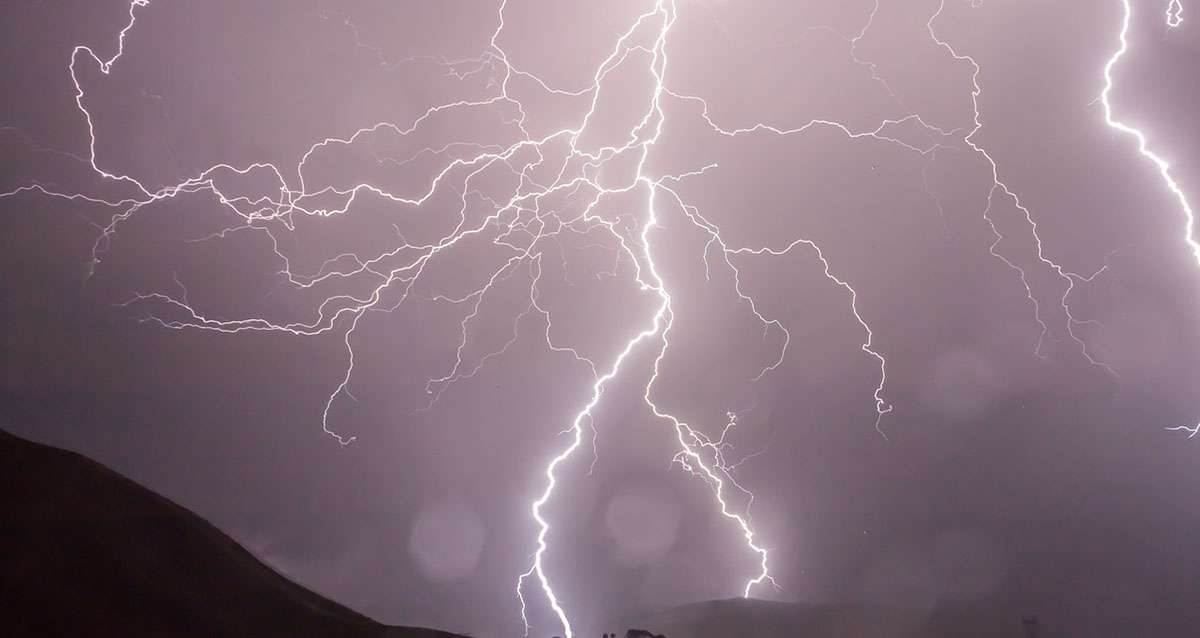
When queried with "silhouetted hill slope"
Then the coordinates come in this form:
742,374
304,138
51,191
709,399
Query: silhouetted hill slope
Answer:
766,619
87,552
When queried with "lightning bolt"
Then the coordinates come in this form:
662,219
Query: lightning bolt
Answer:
1174,19
557,191
1174,13
522,224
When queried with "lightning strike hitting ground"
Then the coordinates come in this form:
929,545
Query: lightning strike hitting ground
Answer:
537,212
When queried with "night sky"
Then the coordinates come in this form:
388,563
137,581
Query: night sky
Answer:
1011,469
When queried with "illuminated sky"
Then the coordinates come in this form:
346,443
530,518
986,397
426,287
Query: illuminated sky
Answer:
344,277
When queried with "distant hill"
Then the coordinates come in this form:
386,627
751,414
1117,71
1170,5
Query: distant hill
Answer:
86,552
766,619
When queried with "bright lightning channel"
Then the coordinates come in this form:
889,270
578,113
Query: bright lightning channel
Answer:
1174,13
1174,19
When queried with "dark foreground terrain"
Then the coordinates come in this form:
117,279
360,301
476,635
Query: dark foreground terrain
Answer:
745,618
87,552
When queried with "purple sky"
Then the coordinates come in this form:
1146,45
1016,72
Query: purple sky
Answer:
1039,484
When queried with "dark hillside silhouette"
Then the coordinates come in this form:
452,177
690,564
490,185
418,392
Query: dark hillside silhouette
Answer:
87,552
